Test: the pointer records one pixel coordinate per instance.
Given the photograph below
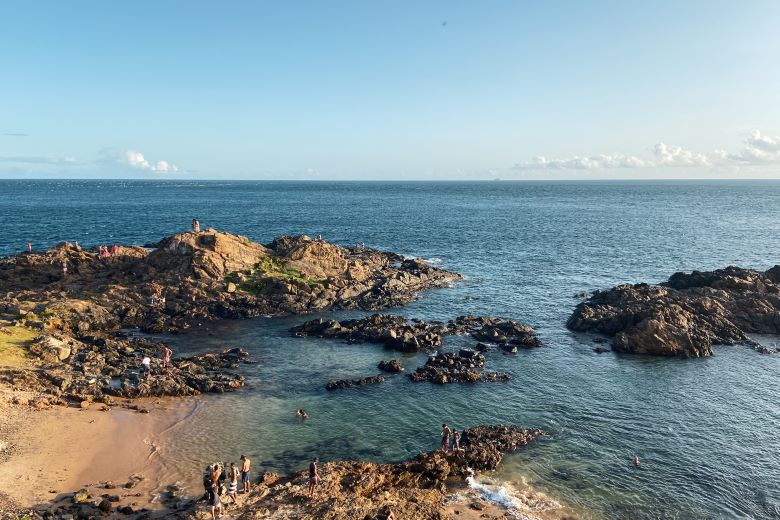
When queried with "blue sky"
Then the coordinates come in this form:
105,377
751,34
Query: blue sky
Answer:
390,90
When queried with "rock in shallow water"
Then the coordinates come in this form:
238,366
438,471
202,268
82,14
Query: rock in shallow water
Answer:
687,315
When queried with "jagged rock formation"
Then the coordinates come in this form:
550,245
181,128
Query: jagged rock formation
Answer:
686,315
191,277
397,333
102,368
464,367
392,366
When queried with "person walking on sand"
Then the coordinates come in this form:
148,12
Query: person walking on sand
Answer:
314,477
445,438
245,464
233,487
216,503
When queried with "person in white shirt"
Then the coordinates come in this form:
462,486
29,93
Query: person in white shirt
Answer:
146,365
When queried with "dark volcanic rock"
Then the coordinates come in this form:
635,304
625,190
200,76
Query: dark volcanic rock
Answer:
397,333
464,367
392,331
390,365
687,315
349,383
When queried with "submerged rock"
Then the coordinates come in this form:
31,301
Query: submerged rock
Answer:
348,383
686,315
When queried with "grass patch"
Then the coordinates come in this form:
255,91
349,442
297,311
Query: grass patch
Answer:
261,277
13,345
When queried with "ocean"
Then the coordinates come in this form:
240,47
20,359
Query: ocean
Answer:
706,430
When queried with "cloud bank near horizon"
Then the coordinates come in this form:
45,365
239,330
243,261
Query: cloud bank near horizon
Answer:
137,160
757,149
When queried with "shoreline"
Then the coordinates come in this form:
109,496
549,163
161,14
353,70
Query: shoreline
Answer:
49,454
58,451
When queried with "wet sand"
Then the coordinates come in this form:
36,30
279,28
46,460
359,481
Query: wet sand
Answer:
53,452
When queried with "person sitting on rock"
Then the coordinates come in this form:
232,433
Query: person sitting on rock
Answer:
314,477
445,438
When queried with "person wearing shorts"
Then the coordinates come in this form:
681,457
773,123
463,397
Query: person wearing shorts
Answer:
245,464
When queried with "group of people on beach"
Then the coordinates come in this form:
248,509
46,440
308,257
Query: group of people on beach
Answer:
450,439
214,483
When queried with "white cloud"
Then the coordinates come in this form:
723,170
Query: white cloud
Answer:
677,156
757,149
595,162
137,160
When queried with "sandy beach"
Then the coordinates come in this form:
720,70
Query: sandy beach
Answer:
48,454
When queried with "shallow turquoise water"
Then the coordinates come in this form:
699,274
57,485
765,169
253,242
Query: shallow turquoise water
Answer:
706,430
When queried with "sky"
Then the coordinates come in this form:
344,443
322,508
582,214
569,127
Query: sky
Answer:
407,90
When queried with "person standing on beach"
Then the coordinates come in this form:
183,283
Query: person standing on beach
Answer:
245,464
314,477
233,487
445,438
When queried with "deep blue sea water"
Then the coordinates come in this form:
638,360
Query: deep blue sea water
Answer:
707,430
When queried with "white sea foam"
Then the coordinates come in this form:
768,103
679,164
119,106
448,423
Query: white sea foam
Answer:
521,505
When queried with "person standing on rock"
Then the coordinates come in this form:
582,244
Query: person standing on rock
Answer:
195,226
216,503
29,247
64,269
233,487
245,464
314,477
445,438
455,440
114,250
166,356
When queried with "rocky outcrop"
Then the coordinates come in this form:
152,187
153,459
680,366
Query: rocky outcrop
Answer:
101,368
349,383
191,277
410,336
392,366
464,367
686,315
